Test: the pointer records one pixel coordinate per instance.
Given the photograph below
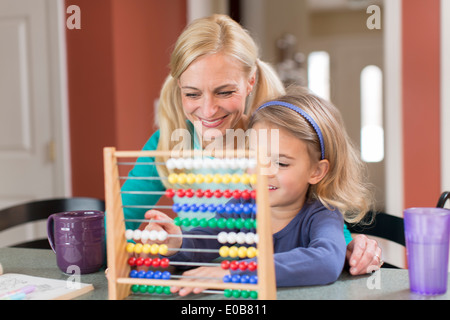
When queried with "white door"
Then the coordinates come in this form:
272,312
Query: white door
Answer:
31,100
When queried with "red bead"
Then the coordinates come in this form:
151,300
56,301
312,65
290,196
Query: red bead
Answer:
199,193
227,193
234,265
170,193
156,262
236,194
208,193
253,194
189,193
245,194
164,263
218,193
252,266
225,264
181,193
132,261
243,265
139,261
148,262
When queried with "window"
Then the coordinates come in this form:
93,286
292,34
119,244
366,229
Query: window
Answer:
319,73
372,132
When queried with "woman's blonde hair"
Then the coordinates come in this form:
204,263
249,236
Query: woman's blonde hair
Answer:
214,34
344,187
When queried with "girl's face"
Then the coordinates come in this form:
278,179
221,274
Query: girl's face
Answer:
292,169
214,89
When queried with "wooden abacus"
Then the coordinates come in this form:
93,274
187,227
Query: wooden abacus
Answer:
119,282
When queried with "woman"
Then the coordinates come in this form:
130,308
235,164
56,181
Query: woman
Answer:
216,81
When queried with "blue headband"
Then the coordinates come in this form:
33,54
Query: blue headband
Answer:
304,115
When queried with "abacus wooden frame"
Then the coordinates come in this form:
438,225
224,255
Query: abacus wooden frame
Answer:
119,284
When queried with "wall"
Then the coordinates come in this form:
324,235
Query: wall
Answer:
117,63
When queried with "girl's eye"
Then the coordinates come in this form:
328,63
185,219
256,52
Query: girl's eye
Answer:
283,165
191,95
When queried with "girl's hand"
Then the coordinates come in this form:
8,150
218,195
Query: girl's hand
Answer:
166,224
363,255
200,272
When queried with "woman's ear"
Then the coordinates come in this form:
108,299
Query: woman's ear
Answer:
319,171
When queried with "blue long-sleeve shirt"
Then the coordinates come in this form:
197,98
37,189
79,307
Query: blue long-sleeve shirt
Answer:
310,250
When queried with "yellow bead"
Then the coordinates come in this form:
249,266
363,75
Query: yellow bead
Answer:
163,249
233,252
209,178
130,247
190,178
138,248
245,178
199,178
146,248
253,179
226,178
173,178
235,178
252,252
223,251
217,178
242,252
182,177
154,249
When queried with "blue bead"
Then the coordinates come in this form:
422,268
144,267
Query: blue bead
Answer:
212,208
133,274
238,208
141,274
245,278
203,208
229,208
185,207
253,279
149,275
254,209
176,207
157,275
247,209
166,275
226,278
220,208
194,208
236,278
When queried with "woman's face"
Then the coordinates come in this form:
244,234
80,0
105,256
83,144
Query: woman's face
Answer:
214,89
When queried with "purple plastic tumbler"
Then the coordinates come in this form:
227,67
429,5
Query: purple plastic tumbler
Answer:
78,239
427,243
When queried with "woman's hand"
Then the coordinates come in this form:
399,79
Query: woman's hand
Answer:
200,272
363,255
166,224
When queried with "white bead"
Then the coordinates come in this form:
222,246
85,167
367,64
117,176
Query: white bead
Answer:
223,163
197,163
179,163
250,238
207,163
252,163
233,163
188,163
162,235
242,163
145,235
170,164
231,238
137,234
240,238
129,234
215,164
222,237
256,238
153,235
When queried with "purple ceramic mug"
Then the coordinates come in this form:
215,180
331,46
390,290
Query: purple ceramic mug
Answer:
78,239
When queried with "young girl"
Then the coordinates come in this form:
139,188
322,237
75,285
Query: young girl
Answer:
318,183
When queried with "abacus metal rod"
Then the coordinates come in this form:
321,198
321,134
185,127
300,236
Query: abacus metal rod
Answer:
187,283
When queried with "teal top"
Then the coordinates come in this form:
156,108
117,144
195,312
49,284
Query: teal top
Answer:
141,170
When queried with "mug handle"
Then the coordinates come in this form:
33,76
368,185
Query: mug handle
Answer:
444,197
50,232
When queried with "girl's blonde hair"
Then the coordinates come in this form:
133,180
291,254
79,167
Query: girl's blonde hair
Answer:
344,187
214,34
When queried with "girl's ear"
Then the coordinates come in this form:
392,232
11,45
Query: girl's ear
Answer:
320,170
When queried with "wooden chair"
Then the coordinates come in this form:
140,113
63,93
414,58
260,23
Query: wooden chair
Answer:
33,212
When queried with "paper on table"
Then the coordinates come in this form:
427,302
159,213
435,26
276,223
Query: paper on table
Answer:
46,289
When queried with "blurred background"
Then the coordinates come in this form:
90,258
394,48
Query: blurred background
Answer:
73,81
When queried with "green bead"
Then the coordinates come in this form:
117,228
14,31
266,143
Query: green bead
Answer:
135,288
236,293
159,289
212,223
186,222
195,222
177,221
151,289
227,293
255,224
230,223
143,289
245,294
203,223
221,223
254,294
248,223
167,290
239,223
